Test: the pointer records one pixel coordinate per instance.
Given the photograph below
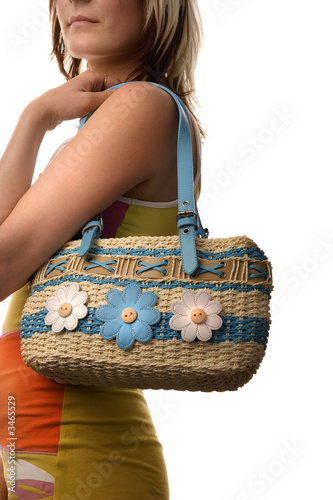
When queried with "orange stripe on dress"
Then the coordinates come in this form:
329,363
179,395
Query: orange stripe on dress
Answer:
38,401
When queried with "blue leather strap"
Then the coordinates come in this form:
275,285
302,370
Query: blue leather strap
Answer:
188,220
91,231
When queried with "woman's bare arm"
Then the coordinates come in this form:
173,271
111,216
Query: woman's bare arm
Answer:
71,100
119,147
18,161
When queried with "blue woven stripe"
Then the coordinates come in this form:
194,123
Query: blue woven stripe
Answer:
252,253
233,328
222,287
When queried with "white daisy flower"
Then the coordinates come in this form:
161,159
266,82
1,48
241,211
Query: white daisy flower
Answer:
66,308
196,315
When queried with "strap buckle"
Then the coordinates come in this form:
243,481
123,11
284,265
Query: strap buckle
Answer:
95,222
187,213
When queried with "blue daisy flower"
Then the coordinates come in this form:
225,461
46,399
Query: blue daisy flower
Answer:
128,315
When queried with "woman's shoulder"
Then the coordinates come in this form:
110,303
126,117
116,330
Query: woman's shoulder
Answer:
138,94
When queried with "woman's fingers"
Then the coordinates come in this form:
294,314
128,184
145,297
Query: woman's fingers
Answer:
96,82
75,98
96,99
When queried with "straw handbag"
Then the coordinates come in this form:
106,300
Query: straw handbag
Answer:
179,312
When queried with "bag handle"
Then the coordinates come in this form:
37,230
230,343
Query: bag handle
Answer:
188,220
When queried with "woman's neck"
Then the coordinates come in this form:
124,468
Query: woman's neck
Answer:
117,68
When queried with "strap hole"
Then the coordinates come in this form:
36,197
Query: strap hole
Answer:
186,230
185,203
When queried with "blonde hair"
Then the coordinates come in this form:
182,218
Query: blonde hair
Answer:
173,36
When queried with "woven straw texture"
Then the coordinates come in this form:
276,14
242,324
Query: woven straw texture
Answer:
84,360
225,362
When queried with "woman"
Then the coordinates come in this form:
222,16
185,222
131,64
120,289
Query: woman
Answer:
74,442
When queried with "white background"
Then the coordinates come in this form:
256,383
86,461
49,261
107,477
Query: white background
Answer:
272,439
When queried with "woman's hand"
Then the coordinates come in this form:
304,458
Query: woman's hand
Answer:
73,99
